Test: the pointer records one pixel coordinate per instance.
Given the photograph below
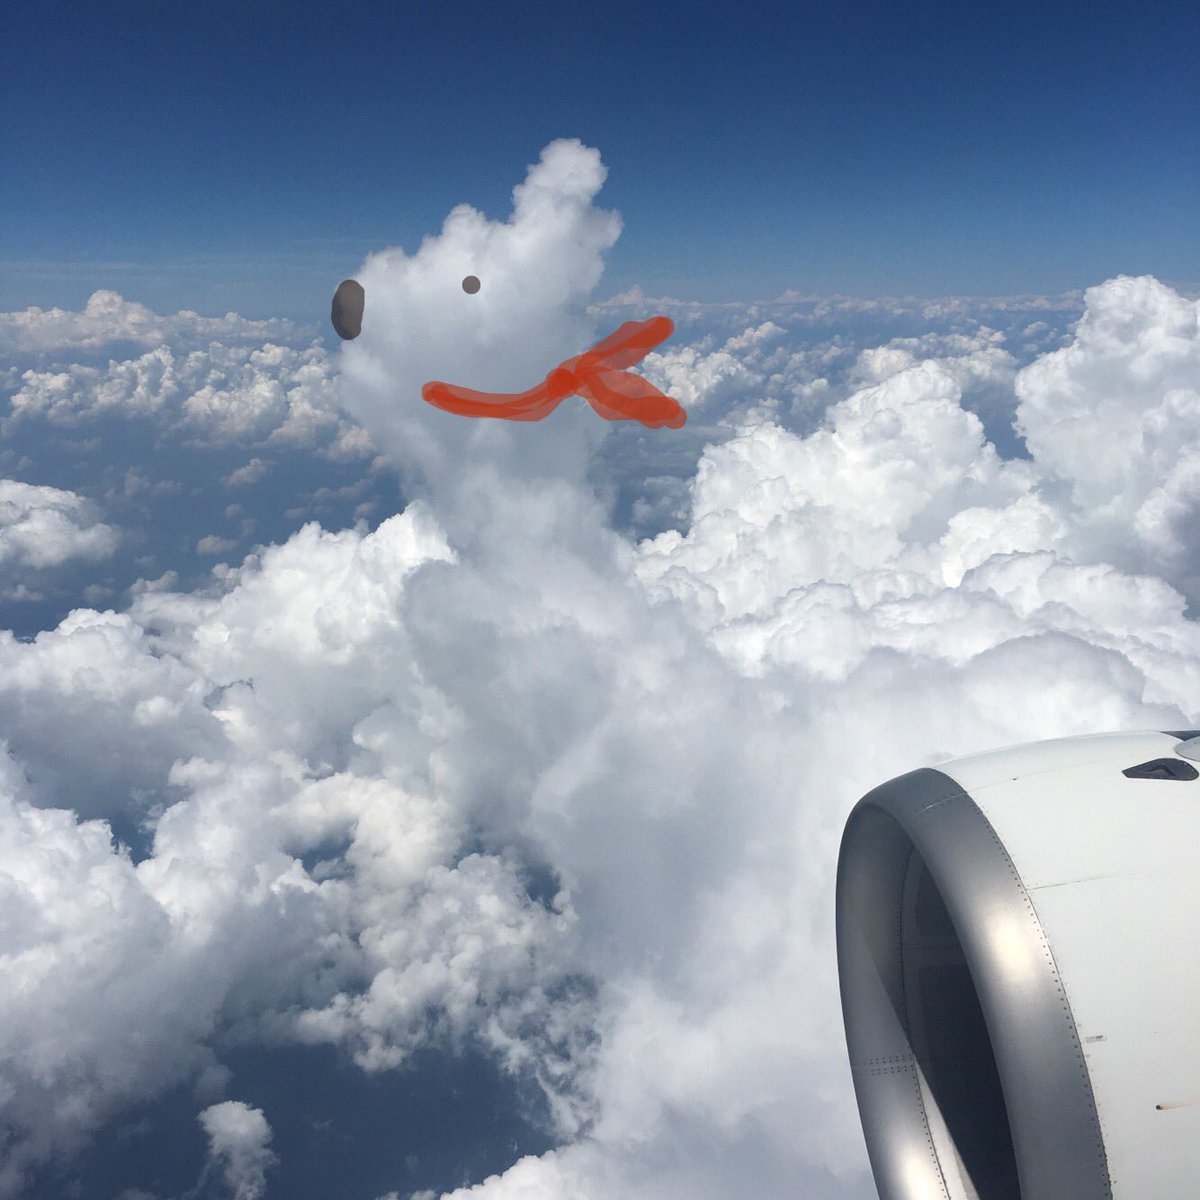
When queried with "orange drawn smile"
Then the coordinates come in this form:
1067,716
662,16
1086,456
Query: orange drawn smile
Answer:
597,375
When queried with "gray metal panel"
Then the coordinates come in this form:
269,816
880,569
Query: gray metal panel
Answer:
870,969
1189,742
1051,1109
1189,748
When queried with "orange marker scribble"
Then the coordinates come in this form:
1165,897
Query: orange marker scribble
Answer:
598,376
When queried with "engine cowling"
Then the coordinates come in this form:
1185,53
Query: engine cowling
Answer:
1018,937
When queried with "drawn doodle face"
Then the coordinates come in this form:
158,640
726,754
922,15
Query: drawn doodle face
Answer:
349,301
597,375
502,307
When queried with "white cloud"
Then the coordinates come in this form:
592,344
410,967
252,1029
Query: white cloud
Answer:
971,358
109,317
136,482
96,716
874,490
245,475
238,1146
536,273
202,381
696,379
1115,416
168,579
135,387
533,1178
271,393
221,916
92,1011
44,527
212,544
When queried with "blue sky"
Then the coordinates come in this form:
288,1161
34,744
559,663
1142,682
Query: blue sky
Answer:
236,156
395,805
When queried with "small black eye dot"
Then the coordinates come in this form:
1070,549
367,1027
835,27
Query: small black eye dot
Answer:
470,285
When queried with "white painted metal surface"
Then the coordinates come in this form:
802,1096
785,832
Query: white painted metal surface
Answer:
1112,866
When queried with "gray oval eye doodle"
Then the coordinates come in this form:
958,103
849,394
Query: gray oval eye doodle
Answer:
347,312
470,285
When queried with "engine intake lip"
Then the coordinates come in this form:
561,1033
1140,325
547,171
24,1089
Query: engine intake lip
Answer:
921,835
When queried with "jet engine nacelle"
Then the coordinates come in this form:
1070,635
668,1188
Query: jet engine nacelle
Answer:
1018,938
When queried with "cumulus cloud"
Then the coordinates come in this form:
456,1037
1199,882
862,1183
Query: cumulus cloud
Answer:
196,381
252,472
92,1011
536,271
697,379
90,701
397,937
238,1147
212,544
1115,417
44,527
494,775
108,317
271,393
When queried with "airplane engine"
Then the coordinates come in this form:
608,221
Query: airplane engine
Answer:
1018,941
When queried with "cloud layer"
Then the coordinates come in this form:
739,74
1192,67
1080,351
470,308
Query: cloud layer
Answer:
495,774
46,526
109,318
